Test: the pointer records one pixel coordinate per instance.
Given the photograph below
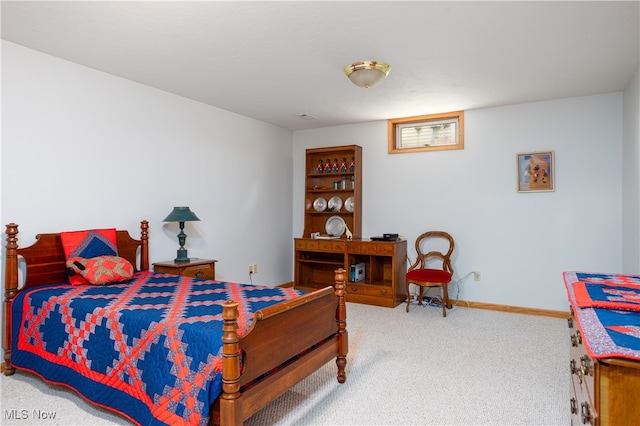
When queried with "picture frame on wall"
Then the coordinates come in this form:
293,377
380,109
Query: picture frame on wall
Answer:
536,171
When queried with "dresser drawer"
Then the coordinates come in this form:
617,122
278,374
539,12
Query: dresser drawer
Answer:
581,367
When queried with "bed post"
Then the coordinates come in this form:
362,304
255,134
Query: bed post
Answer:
341,319
144,248
230,400
10,291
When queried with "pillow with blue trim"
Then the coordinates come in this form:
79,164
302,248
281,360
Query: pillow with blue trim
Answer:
87,244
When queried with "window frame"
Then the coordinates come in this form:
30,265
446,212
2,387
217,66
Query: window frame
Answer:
392,126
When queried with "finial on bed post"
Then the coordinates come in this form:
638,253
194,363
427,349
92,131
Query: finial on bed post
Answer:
144,248
341,319
230,411
10,291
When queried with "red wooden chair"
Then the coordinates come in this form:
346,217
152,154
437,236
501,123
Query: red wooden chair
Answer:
423,273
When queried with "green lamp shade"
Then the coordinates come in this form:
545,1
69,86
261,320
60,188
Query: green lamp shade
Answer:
181,214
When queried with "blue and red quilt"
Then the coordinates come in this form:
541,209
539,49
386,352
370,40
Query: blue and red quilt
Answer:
148,348
607,307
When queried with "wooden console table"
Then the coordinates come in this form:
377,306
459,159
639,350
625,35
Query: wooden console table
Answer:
384,268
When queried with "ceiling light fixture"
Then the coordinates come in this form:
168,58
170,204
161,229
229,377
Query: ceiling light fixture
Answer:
367,73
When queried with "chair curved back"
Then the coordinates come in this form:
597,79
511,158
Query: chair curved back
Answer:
423,273
424,260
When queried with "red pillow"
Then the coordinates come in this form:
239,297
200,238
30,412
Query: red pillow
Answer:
101,270
87,244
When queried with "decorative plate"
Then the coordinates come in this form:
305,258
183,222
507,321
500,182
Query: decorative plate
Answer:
348,204
335,204
320,204
335,226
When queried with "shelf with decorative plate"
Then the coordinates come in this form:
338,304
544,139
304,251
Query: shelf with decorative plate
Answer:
333,188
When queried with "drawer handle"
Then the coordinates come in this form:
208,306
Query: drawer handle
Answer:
585,413
383,292
570,322
574,406
199,273
354,288
585,365
574,340
575,370
579,337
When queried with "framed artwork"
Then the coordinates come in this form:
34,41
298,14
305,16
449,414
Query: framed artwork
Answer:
535,172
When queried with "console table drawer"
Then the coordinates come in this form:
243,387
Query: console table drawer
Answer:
379,248
320,245
369,290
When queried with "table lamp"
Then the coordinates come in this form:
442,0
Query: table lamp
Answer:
181,215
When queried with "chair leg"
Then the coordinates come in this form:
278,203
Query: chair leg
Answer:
445,300
408,297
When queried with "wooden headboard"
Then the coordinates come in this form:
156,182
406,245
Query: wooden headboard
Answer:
45,264
45,259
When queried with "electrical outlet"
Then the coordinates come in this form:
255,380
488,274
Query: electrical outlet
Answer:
476,276
251,269
255,268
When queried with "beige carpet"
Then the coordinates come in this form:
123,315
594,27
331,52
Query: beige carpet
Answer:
475,367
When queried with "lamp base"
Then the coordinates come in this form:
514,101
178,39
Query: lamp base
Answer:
181,256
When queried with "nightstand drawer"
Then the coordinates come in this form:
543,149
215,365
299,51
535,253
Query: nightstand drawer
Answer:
195,268
202,271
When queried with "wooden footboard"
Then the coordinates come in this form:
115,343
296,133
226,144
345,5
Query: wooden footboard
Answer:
291,340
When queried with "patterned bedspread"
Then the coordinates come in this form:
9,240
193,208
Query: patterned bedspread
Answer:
148,348
608,310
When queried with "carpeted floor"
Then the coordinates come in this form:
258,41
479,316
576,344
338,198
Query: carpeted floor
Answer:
474,367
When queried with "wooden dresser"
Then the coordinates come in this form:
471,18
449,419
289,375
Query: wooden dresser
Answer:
604,390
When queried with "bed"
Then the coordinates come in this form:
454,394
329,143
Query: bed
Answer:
263,352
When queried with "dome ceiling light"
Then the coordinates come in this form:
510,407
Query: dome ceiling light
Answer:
367,73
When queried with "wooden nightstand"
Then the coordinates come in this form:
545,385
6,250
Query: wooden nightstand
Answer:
197,268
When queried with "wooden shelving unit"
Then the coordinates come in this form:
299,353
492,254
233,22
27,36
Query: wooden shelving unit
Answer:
343,182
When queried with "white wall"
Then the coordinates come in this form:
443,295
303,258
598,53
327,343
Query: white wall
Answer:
68,130
520,242
631,177
84,149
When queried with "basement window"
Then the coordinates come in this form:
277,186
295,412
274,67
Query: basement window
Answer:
433,132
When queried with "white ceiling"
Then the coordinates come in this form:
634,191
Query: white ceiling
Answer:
273,60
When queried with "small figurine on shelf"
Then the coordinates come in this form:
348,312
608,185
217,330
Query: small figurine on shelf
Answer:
343,165
335,166
349,233
320,167
327,166
352,165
